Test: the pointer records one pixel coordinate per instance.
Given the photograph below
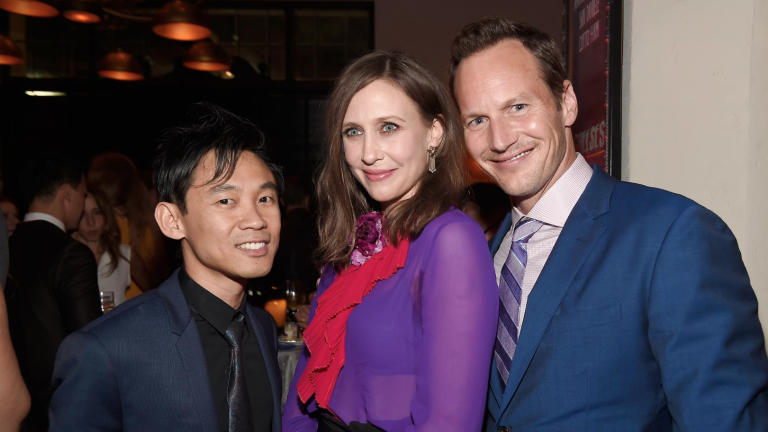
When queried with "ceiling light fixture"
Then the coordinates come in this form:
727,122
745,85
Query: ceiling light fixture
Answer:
85,12
207,56
10,54
120,66
44,93
33,8
180,20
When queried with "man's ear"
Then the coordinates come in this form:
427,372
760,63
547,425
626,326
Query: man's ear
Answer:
67,191
570,105
168,217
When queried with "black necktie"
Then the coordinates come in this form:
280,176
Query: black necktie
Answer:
237,392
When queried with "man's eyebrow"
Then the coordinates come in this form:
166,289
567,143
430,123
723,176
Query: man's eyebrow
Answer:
508,103
268,185
226,187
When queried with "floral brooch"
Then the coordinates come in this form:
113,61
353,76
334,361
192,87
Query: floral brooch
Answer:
367,240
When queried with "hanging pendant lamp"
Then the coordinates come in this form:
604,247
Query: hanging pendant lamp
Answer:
120,66
180,20
10,54
207,56
85,12
33,8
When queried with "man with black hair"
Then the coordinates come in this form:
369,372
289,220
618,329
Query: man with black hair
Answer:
55,289
191,355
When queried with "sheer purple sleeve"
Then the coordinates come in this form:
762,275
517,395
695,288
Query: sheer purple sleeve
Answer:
459,304
295,415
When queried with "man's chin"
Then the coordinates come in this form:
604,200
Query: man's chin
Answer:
252,273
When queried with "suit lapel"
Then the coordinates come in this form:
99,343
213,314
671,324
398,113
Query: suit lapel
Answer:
579,236
191,353
495,394
506,224
273,370
192,357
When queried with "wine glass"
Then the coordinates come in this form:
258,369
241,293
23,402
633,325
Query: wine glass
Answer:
107,301
295,295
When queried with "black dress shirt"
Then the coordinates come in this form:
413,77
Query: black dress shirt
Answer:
213,316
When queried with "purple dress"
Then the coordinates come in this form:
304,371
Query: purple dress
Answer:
419,346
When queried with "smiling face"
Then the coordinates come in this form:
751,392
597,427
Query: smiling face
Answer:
386,142
92,222
232,228
513,127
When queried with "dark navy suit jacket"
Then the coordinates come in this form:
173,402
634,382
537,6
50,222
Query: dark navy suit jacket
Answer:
141,368
643,319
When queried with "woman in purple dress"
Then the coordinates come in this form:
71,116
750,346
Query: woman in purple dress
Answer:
401,332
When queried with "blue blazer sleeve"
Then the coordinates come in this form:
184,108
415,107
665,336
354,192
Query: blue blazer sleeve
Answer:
86,396
704,329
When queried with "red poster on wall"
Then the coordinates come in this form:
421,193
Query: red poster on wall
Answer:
589,41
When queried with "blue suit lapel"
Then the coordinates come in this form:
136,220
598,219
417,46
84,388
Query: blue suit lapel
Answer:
506,224
273,370
580,234
192,357
191,353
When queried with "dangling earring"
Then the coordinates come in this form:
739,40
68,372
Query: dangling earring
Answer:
431,151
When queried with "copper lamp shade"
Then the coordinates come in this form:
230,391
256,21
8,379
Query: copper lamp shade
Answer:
121,66
31,8
207,56
10,54
85,12
180,20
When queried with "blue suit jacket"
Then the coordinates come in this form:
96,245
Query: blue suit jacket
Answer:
643,319
141,368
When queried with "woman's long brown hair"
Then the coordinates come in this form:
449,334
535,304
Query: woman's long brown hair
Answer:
340,197
110,233
117,177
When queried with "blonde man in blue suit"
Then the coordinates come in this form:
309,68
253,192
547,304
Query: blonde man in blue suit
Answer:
623,308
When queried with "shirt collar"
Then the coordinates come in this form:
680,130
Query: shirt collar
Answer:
35,216
211,308
556,204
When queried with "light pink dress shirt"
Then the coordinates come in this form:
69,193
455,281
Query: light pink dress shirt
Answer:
553,210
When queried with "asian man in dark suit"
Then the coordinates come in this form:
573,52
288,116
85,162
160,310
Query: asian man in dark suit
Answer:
53,289
623,307
191,355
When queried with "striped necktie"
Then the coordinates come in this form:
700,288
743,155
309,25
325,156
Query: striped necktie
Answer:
511,293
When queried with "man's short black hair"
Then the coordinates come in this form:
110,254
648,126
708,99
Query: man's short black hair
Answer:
208,128
44,174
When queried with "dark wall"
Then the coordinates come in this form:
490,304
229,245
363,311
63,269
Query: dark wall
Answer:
128,117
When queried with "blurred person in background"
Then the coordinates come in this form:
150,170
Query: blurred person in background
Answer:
298,236
14,397
116,264
10,213
116,175
54,289
487,204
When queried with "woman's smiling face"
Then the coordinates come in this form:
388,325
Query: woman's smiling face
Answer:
386,142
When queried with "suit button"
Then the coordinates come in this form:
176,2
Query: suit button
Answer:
504,429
